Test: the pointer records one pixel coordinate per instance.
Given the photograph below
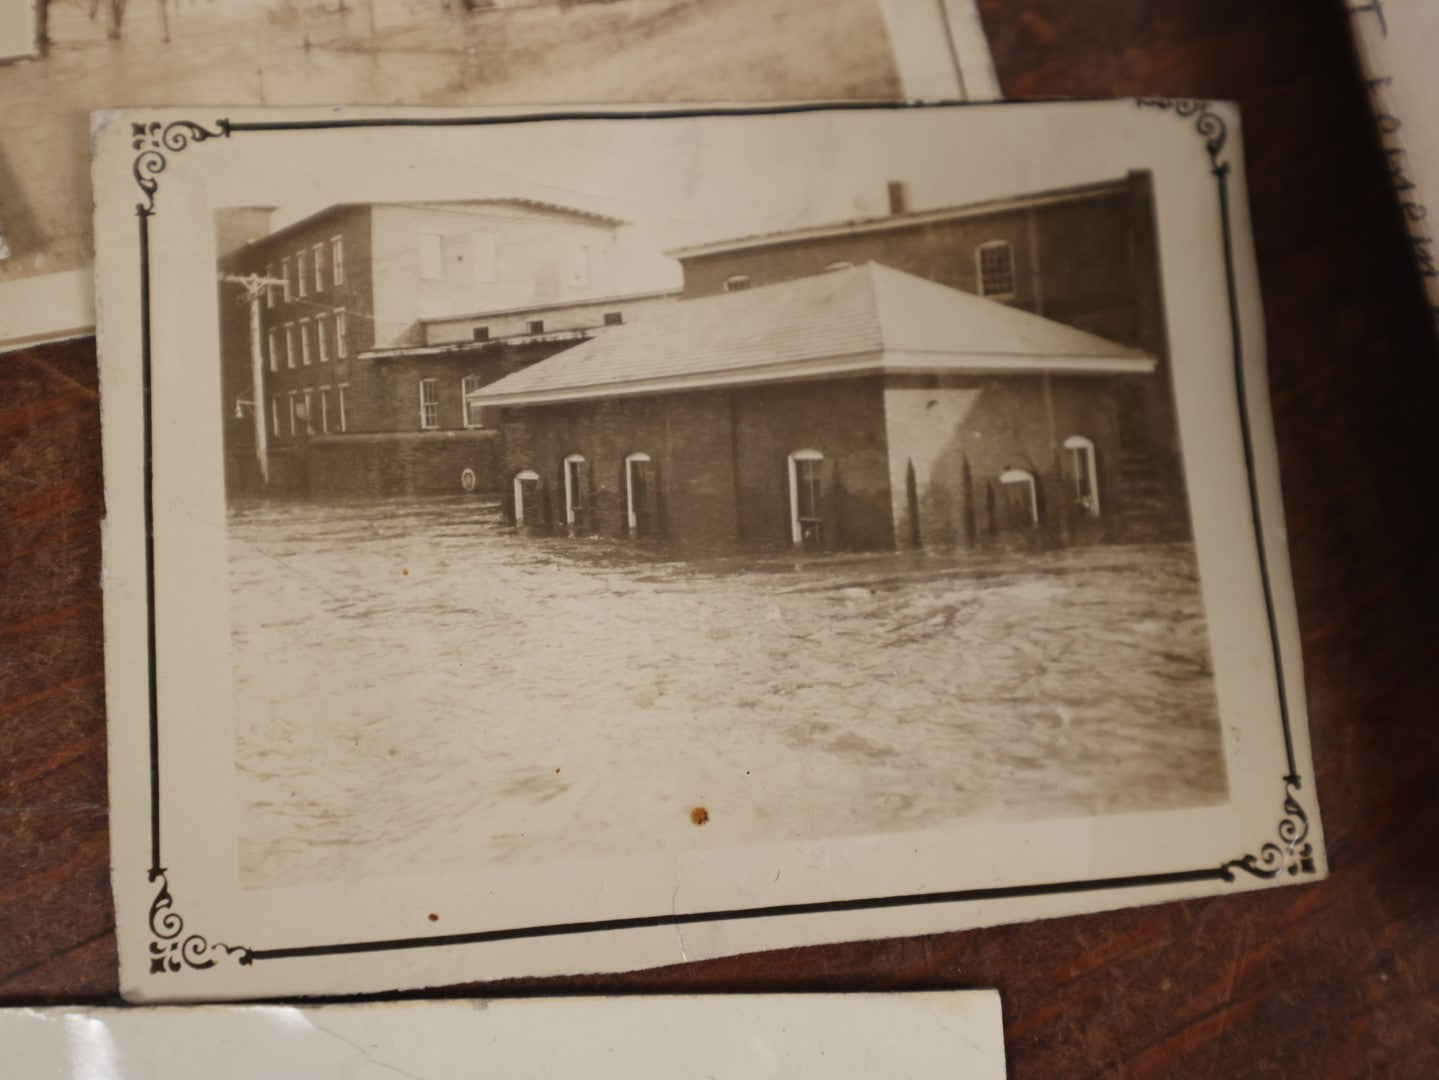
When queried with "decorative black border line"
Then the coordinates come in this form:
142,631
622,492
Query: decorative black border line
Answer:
172,950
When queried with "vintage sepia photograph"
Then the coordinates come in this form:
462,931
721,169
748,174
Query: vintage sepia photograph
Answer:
534,522
82,55
587,542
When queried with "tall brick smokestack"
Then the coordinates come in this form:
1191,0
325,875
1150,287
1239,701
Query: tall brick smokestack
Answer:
898,197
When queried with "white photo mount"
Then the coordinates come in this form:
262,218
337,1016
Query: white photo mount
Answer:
187,931
922,1035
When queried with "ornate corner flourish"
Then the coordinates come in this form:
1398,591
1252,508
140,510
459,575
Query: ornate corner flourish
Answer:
153,140
1293,854
174,950
1207,122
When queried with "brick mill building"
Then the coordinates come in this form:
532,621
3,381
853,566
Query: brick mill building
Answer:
929,377
384,316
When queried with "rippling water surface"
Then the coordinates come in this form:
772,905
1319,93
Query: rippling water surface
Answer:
418,686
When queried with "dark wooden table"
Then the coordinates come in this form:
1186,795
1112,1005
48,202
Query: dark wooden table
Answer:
1328,980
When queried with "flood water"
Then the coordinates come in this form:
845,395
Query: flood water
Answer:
417,686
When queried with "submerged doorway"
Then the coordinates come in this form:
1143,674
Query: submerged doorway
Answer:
806,498
527,498
640,495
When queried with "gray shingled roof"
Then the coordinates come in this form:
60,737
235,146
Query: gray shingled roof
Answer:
858,320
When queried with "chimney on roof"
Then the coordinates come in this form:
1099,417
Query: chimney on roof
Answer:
898,197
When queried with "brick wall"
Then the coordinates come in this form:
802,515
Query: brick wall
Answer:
428,464
353,297
719,461
906,460
686,435
951,439
1074,261
842,420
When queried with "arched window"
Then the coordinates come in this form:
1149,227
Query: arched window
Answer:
806,497
527,503
736,283
640,494
994,261
1021,500
1084,474
575,490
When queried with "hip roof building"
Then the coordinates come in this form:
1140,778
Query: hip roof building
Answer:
863,407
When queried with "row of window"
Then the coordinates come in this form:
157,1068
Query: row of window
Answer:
806,492
310,270
307,340
430,402
1022,495
806,495
298,410
537,326
994,268
641,502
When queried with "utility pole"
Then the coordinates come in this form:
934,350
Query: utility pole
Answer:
255,286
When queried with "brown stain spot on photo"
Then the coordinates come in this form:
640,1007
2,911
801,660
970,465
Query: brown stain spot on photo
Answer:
434,917
557,768
405,572
699,815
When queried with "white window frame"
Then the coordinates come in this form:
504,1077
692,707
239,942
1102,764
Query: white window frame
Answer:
289,345
340,403
273,339
438,237
301,273
571,459
342,327
795,528
1074,444
289,291
1023,476
270,289
631,460
736,283
293,427
337,260
995,245
428,423
275,415
317,253
465,391
322,347
519,488
309,395
305,352
324,410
